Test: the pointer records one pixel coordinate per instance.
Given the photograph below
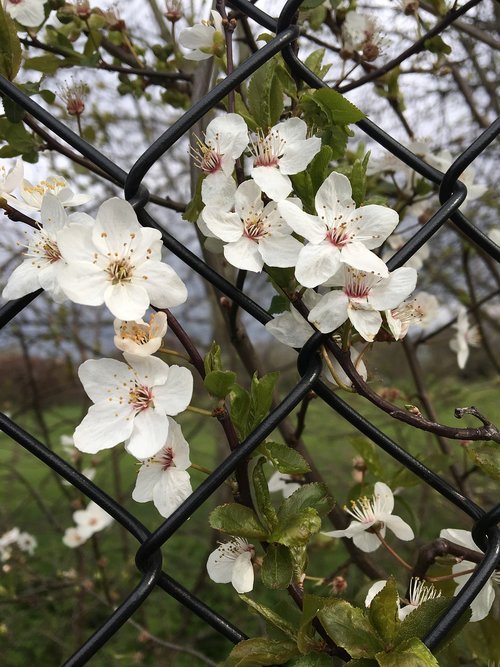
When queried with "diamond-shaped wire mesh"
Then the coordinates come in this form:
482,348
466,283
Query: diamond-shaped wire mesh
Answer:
148,558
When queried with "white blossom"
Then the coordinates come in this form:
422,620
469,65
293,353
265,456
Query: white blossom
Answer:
12,178
44,263
206,39
139,338
482,603
361,32
466,336
254,234
282,152
6,541
421,311
163,478
27,12
132,402
231,563
361,298
118,262
32,196
92,517
75,536
373,512
285,483
290,327
27,542
339,233
420,591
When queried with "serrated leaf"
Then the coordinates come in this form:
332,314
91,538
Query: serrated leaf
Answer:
238,520
261,397
412,653
486,455
10,47
277,567
420,621
350,628
297,529
284,458
260,493
313,660
272,617
213,358
314,62
239,408
337,108
313,496
383,612
265,96
260,651
48,64
219,383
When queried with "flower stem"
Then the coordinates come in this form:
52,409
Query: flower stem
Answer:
202,469
199,411
447,577
174,353
400,560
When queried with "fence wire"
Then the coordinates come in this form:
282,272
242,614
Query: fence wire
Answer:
452,193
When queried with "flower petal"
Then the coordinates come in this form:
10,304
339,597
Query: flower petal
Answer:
366,321
276,186
244,254
164,287
148,476
171,491
150,430
330,312
174,396
390,292
317,263
308,226
126,301
281,251
399,527
99,376
226,226
243,575
374,224
103,427
359,257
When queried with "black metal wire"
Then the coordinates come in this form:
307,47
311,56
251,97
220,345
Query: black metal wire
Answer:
452,194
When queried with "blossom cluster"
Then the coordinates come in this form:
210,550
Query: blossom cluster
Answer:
114,261
16,538
88,521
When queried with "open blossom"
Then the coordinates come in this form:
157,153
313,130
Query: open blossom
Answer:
75,536
226,138
283,151
44,263
419,590
482,603
254,234
163,478
465,336
92,517
138,337
118,262
12,178
32,196
361,298
339,234
131,403
206,39
27,12
232,563
361,32
373,512
421,311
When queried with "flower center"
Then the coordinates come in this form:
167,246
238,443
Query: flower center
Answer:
254,228
141,398
337,236
139,333
356,285
167,458
362,510
207,157
51,251
120,271
268,149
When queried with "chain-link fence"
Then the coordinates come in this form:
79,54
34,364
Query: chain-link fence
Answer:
151,573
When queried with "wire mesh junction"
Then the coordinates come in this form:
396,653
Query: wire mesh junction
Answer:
452,194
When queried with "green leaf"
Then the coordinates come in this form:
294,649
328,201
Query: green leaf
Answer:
336,107
279,304
350,628
412,653
358,179
370,454
310,4
311,605
18,138
363,662
314,62
238,520
277,567
260,651
13,111
239,407
303,188
319,168
284,458
48,64
265,95
437,45
219,383
261,397
10,47
195,206
486,455
296,530
314,660
313,496
420,621
260,493
383,612
272,617
213,359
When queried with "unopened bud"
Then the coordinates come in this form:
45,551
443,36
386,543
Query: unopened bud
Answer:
83,9
173,11
411,7
338,585
370,52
